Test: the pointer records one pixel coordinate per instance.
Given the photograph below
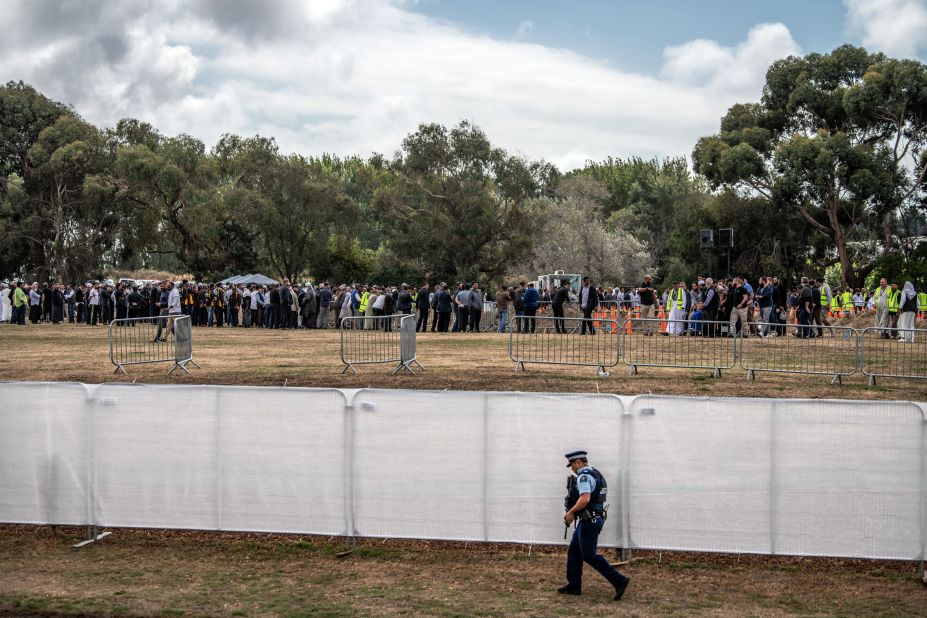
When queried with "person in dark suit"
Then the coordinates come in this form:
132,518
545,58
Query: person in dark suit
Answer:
588,302
422,304
135,304
57,304
444,304
561,296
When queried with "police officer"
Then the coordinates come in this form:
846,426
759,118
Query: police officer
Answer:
586,506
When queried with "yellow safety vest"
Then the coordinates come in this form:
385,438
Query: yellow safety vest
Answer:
922,301
363,304
848,301
678,297
894,301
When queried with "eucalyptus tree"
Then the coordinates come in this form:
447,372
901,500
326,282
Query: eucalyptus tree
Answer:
461,206
837,139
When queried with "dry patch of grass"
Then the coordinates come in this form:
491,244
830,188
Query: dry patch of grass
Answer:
157,573
452,361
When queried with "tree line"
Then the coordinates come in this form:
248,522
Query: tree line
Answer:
825,174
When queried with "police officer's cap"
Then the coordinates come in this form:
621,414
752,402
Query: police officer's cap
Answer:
574,455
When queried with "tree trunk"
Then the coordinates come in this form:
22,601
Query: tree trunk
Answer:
847,276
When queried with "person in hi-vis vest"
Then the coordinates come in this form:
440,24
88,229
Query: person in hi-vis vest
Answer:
677,306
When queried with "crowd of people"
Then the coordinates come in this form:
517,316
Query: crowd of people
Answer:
687,308
764,310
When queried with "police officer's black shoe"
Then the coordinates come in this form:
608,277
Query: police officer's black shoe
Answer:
569,589
620,588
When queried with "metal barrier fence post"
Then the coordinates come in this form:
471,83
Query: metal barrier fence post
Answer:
407,346
680,344
367,340
801,349
923,505
156,339
893,353
531,341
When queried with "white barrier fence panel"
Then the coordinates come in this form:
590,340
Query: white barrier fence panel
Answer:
475,466
221,458
816,478
44,456
829,478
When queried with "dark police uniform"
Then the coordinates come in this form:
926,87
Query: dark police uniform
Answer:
589,522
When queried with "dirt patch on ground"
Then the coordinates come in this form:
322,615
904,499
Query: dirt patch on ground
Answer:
452,361
157,573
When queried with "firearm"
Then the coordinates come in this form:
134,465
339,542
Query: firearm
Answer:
569,500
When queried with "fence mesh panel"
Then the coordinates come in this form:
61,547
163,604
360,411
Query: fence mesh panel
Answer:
793,348
564,341
883,353
701,345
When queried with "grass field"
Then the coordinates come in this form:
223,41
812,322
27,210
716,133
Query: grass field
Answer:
160,573
452,361
166,573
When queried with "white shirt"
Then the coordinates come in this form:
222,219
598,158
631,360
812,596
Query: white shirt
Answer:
380,302
254,300
94,297
173,301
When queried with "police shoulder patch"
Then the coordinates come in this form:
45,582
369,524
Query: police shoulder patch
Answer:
582,479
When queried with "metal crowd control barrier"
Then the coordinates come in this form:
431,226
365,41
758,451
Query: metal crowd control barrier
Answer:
379,339
692,345
489,319
559,341
797,348
893,353
158,339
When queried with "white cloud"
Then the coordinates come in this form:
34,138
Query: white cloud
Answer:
896,27
354,77
730,69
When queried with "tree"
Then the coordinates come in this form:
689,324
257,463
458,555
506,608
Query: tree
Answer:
302,221
575,238
24,114
463,207
660,203
835,139
176,182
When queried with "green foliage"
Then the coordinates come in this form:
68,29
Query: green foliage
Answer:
827,173
458,205
836,141
903,266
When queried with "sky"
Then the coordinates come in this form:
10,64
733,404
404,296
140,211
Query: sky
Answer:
566,82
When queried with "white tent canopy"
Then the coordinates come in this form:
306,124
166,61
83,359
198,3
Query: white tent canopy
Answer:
256,279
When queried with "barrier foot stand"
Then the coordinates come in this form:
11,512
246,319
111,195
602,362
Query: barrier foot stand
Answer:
624,557
350,545
403,366
872,381
417,364
519,366
92,537
120,368
181,365
193,362
633,370
836,379
346,367
751,375
716,373
601,372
